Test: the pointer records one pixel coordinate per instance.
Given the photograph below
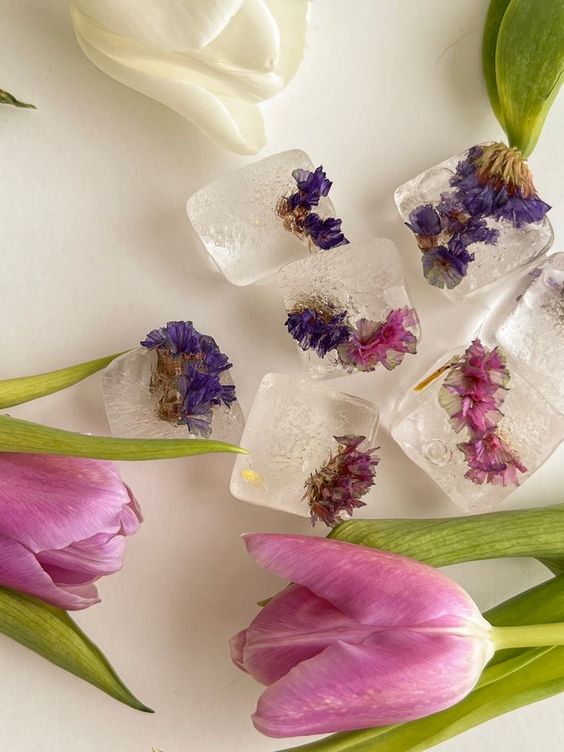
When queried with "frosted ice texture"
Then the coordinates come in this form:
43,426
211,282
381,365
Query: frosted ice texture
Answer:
366,279
131,407
515,248
532,333
237,221
289,434
530,426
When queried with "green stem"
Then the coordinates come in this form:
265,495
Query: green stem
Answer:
531,635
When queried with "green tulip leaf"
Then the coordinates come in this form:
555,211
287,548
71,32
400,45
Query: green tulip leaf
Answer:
32,438
7,98
529,66
512,679
52,634
26,388
452,540
491,30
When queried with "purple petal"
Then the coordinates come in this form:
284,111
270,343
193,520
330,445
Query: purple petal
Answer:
372,587
20,570
84,562
49,502
293,627
398,677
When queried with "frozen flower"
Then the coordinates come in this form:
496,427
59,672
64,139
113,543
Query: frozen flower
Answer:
321,330
311,187
453,214
187,374
425,221
324,233
445,266
337,487
476,231
380,342
474,389
491,460
362,638
495,180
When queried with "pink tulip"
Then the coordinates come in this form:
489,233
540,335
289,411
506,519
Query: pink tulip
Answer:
63,522
363,638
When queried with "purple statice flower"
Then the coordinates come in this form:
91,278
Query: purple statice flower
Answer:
476,230
178,337
495,181
319,330
491,460
446,265
453,214
425,221
474,389
380,342
200,393
324,233
336,488
311,187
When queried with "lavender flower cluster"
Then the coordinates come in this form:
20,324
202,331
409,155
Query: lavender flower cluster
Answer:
492,182
335,490
298,217
361,346
472,394
188,374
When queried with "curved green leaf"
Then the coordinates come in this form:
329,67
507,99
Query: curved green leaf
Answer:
32,438
494,18
511,680
529,64
52,634
26,388
452,540
7,98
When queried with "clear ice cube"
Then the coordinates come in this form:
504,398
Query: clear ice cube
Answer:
365,279
515,249
532,331
131,405
530,426
289,434
236,218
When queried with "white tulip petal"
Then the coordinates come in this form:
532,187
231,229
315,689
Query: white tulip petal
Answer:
251,40
164,24
291,19
232,123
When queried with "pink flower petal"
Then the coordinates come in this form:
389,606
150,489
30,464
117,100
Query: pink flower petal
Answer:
372,587
86,561
295,626
51,502
398,677
20,570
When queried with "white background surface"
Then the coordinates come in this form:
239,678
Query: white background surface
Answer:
96,250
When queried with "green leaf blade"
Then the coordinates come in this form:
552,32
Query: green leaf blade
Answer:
52,634
494,18
451,540
26,388
32,438
7,98
529,65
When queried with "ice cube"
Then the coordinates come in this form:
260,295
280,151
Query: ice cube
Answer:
529,426
236,218
289,434
365,280
532,331
515,249
132,406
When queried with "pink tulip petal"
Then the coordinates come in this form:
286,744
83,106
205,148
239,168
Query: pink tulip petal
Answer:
20,570
50,502
85,561
293,627
401,676
372,587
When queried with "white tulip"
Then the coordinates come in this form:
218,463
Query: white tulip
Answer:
210,60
